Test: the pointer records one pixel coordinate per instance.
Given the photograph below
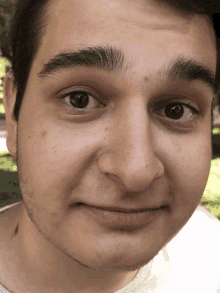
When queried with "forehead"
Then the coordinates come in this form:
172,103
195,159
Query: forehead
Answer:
148,32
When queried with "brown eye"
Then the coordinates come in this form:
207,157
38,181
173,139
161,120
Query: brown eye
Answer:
174,111
79,99
180,112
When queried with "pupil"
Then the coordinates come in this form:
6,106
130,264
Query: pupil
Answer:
79,100
174,111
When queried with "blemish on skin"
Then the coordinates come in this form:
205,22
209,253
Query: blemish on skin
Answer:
54,215
16,230
43,133
146,79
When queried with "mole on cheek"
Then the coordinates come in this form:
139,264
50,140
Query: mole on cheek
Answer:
43,133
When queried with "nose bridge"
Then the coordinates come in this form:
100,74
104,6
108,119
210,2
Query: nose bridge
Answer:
134,160
133,132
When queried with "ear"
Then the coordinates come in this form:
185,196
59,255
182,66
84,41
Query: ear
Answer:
9,99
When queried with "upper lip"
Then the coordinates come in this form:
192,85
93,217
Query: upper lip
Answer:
123,210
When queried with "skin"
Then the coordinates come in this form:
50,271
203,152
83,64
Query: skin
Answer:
126,156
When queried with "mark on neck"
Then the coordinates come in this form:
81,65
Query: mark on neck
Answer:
16,230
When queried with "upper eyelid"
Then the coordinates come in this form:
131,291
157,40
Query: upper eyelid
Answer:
77,90
184,103
174,99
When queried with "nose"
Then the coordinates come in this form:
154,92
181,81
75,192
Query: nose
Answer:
130,153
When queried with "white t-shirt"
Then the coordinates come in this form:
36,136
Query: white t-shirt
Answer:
189,263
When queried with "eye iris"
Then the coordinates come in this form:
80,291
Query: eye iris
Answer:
174,111
79,100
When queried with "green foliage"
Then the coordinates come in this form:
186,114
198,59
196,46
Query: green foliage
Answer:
4,64
216,131
6,163
2,22
7,10
211,194
9,188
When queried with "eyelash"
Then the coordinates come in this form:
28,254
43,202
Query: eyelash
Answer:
159,107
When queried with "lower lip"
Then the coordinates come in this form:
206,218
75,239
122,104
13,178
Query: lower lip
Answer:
122,220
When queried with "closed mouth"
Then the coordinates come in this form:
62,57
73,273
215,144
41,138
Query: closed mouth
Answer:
123,210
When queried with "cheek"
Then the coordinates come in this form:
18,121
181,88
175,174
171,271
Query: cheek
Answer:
196,162
191,167
55,157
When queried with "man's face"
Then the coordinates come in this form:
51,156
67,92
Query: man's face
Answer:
136,139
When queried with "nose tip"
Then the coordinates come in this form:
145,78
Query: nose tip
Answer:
133,175
142,176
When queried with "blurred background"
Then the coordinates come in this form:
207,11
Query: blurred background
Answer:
9,186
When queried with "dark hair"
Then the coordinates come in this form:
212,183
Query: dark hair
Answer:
30,20
27,30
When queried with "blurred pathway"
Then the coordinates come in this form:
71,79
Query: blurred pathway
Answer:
2,125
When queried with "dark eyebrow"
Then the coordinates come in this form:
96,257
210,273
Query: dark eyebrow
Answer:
190,70
106,57
112,59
